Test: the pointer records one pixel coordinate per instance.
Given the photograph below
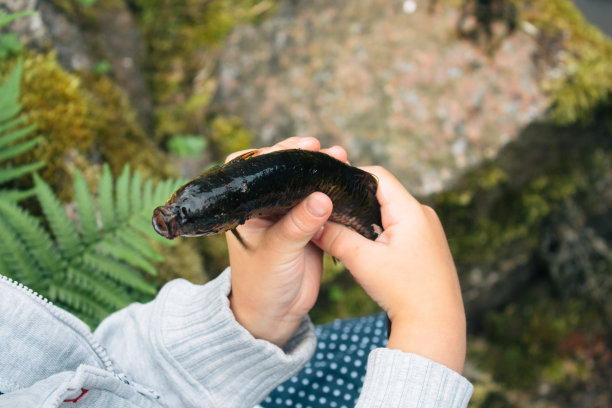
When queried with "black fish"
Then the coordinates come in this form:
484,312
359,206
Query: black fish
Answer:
251,185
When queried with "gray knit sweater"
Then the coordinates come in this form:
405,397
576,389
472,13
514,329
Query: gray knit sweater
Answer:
184,349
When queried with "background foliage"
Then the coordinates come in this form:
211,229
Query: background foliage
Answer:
82,165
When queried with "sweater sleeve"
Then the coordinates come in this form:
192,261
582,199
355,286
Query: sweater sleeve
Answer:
398,379
187,346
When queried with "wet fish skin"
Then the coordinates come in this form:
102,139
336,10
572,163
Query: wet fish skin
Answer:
223,197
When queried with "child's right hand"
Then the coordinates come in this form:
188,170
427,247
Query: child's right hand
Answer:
409,272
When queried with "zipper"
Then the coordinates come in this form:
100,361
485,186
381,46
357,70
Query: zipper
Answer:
82,329
77,325
65,317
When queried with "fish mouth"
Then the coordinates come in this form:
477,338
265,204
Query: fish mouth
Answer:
165,223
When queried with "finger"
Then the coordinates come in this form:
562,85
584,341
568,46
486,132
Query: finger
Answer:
295,142
337,153
346,245
293,232
238,153
396,203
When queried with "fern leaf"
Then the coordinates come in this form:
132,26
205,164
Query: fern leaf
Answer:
16,135
10,124
104,291
122,194
63,229
15,256
161,191
118,251
147,195
16,172
6,18
119,272
9,93
78,303
105,198
143,225
86,209
137,243
18,149
37,240
136,192
16,195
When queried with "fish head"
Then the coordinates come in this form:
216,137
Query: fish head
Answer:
165,221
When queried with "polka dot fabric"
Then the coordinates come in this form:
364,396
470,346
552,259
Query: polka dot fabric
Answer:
334,376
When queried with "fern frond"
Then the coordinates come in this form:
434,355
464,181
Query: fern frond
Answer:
138,243
136,192
161,191
119,272
82,304
11,123
9,93
38,242
6,18
147,195
122,196
62,227
16,135
118,251
13,151
16,172
16,195
104,291
15,256
105,198
143,225
86,209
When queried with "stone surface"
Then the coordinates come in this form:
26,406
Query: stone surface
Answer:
111,35
395,88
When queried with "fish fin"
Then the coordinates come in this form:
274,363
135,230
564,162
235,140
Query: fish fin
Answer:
239,238
377,229
244,156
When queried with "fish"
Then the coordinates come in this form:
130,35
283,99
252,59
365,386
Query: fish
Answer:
264,185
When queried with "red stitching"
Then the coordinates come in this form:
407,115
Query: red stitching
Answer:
83,392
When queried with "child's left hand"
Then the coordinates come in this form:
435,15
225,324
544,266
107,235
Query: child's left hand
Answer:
276,281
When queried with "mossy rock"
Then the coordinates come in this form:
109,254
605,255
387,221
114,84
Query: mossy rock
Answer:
56,102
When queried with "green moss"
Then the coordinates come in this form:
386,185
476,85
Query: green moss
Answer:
488,212
540,338
54,100
229,135
178,33
119,137
587,60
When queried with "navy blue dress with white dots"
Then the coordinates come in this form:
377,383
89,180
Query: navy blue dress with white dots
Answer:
334,376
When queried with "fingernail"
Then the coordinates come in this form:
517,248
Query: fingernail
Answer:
316,205
316,236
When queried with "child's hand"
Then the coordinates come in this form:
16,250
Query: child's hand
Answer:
276,281
409,272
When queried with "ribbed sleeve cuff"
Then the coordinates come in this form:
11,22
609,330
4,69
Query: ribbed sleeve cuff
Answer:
398,379
236,370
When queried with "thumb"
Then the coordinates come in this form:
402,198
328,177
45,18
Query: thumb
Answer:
351,248
293,232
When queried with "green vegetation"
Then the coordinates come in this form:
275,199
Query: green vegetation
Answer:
9,43
187,145
94,266
91,263
587,58
15,138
